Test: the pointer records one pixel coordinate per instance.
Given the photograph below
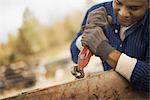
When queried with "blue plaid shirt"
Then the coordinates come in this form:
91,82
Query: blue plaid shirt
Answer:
135,44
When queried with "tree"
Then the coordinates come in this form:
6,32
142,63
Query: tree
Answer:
27,33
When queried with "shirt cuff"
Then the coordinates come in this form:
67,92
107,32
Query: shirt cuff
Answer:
125,66
78,43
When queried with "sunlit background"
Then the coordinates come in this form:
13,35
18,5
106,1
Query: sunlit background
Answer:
35,36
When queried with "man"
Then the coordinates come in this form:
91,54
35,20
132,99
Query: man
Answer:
118,33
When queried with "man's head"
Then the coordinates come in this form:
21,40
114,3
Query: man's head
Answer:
130,11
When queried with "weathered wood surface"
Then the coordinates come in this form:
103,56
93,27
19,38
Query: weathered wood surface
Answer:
105,86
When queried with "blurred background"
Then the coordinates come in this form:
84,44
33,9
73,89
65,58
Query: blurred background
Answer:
35,37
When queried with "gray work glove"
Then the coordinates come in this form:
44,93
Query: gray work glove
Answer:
94,37
99,17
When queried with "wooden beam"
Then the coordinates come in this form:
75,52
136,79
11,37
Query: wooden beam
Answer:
103,86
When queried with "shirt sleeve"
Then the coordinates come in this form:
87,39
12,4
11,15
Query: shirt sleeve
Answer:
135,71
74,49
141,74
125,66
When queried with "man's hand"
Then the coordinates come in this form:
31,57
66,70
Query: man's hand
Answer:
94,37
99,17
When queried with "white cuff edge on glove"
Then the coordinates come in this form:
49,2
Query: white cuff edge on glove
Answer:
78,43
125,66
